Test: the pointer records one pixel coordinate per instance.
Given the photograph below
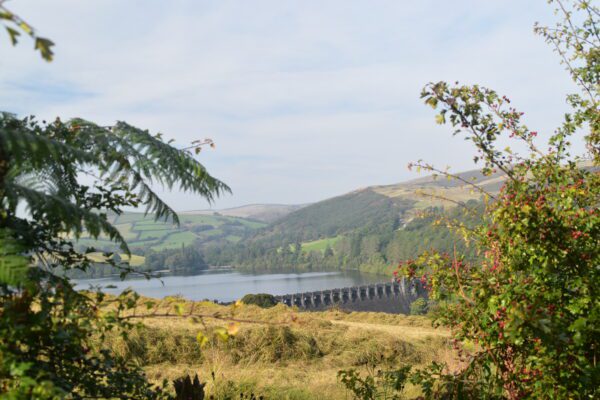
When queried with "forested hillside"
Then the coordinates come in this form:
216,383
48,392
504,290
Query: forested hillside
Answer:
365,208
370,229
375,248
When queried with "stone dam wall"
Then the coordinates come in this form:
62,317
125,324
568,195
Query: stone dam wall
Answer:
392,297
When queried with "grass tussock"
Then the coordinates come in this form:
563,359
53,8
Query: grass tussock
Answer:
272,344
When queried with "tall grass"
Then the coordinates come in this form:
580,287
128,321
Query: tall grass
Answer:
283,353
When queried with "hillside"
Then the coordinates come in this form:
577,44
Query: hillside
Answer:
372,207
369,229
365,209
259,212
426,191
143,233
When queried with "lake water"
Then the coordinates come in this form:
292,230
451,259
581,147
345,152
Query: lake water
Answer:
231,285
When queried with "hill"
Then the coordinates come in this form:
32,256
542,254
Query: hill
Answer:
259,212
143,233
429,191
159,245
364,208
369,229
375,207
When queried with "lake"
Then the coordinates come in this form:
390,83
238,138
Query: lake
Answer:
230,285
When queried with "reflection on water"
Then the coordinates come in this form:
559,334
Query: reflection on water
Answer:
232,285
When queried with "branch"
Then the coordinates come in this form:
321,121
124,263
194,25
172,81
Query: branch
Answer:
460,287
187,316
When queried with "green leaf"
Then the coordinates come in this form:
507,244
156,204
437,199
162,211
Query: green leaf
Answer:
201,339
221,334
26,28
45,48
178,308
432,101
14,34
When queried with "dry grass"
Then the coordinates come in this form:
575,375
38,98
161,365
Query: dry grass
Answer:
279,352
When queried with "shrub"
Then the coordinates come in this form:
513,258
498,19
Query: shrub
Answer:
263,300
529,303
419,307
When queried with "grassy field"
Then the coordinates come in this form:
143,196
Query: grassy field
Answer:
431,191
321,244
279,353
143,231
134,260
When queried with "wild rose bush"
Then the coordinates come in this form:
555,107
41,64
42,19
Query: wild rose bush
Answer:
526,315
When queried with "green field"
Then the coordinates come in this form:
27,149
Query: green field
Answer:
176,240
134,261
321,244
142,231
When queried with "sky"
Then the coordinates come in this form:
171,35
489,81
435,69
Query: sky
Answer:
305,100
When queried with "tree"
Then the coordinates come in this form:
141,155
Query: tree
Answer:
51,334
530,303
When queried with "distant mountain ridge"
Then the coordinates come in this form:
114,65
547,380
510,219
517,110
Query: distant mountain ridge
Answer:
430,190
259,212
375,206
416,190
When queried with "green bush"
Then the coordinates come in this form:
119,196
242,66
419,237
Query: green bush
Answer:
419,307
530,301
263,300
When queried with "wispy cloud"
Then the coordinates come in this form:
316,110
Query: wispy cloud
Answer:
305,99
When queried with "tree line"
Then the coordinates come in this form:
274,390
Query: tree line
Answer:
373,248
186,259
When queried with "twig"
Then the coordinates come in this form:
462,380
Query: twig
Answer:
222,318
460,287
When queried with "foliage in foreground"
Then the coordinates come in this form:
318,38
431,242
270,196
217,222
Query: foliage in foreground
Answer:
531,305
46,326
16,26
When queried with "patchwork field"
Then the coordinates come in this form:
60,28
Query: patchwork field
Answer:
134,260
144,232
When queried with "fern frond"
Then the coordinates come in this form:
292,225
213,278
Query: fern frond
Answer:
133,154
35,151
73,218
127,159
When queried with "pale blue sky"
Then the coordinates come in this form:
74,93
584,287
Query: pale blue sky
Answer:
305,99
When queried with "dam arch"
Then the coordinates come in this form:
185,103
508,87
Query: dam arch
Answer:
391,297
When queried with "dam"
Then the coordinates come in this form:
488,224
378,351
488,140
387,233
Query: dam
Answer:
391,297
